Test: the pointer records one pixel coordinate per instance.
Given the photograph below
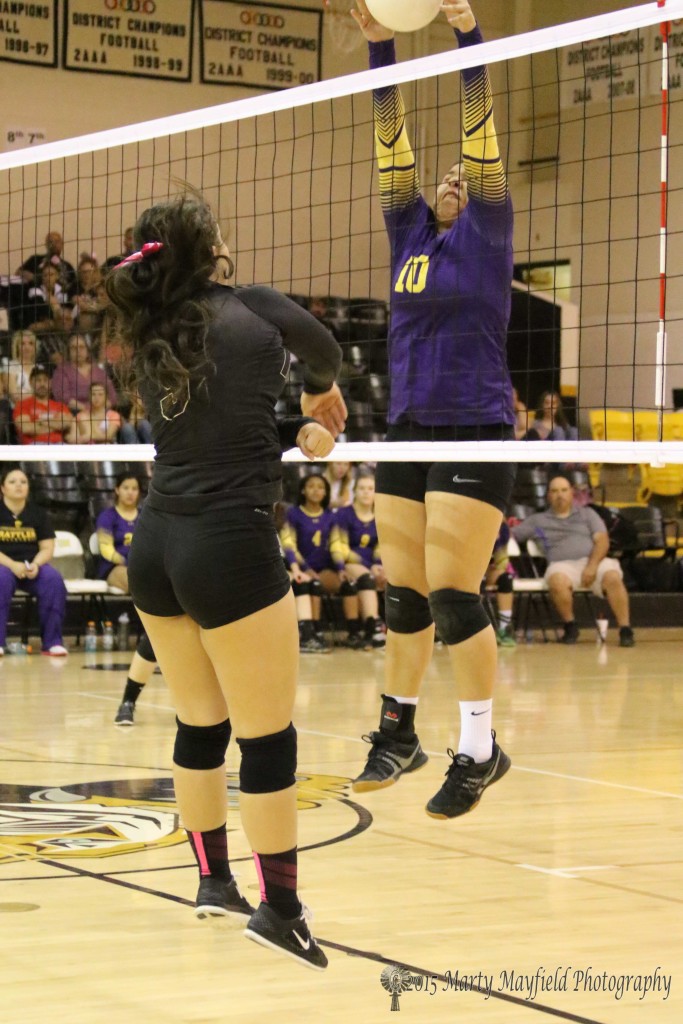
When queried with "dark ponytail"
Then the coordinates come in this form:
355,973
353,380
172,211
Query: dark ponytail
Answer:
161,302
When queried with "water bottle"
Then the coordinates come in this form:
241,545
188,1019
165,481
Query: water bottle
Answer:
90,642
108,637
123,632
16,647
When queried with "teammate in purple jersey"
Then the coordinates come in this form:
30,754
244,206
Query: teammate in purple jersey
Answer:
451,273
355,552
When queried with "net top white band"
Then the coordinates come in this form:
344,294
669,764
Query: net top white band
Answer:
620,452
423,67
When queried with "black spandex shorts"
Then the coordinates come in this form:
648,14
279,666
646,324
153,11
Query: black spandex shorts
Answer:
491,482
216,567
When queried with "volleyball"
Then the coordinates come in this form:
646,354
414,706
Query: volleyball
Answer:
404,15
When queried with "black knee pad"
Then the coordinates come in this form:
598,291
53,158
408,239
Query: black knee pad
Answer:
299,589
504,583
348,589
268,762
406,610
201,747
458,615
144,648
366,582
316,588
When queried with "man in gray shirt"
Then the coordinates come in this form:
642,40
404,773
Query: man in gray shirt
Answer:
575,542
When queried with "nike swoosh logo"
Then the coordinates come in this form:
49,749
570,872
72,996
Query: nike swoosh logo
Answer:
305,944
475,713
464,480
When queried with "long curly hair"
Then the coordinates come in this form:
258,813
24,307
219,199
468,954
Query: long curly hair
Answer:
161,303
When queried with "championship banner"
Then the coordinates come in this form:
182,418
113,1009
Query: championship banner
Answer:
259,45
28,32
605,70
675,47
143,38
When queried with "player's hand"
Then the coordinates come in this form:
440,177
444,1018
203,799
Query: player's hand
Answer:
298,575
371,29
19,570
32,571
329,409
314,441
459,14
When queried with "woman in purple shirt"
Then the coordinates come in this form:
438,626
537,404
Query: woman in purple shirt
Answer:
71,381
451,273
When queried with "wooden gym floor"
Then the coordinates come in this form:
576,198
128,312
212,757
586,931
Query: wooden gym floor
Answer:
569,871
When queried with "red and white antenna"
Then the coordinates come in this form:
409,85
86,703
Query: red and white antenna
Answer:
660,355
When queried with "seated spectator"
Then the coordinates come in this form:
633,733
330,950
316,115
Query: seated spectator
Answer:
72,379
115,527
44,311
341,476
29,271
136,429
500,575
551,423
575,542
87,309
521,416
97,423
128,248
53,343
355,553
305,542
27,543
24,356
41,420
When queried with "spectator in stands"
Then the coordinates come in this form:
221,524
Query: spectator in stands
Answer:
40,419
24,356
7,429
29,271
72,379
87,307
500,575
27,543
355,554
44,311
575,542
98,423
115,527
128,248
341,476
521,416
551,423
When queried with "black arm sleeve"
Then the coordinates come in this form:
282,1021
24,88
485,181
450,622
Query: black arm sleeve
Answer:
302,334
288,430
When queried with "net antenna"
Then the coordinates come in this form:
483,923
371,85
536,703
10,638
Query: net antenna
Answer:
661,354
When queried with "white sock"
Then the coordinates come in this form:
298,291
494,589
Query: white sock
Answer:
504,619
403,700
475,729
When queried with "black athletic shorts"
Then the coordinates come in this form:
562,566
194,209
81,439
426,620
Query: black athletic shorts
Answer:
491,482
216,567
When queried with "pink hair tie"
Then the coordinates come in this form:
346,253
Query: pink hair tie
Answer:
148,249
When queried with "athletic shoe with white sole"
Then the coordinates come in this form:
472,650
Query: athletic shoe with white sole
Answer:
291,937
218,898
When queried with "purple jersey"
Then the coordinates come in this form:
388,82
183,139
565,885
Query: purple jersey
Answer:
353,540
450,297
121,530
306,539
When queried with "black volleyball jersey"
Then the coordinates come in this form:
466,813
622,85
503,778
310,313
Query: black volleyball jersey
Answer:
217,445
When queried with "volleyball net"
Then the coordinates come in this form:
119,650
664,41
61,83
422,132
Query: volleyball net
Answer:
588,118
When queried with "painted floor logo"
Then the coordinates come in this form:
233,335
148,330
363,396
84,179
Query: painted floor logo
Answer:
114,817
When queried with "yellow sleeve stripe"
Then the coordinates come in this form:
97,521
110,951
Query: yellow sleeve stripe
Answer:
399,185
486,178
